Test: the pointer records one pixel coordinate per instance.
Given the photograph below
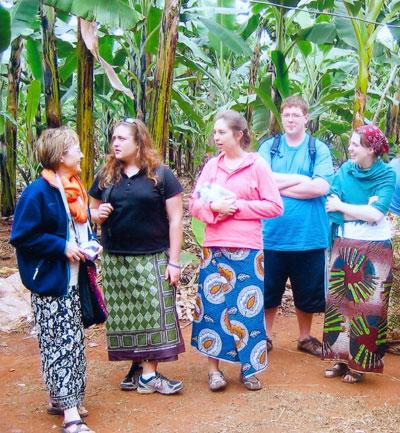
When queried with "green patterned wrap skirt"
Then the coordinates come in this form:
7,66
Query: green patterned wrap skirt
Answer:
142,323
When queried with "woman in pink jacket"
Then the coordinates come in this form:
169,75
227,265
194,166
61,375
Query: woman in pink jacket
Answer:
234,192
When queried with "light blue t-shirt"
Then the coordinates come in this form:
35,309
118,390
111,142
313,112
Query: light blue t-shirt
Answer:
304,224
395,204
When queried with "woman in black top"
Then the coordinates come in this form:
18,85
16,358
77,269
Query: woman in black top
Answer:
139,204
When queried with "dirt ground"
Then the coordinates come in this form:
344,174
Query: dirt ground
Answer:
295,397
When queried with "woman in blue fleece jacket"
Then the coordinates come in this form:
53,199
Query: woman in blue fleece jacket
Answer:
50,222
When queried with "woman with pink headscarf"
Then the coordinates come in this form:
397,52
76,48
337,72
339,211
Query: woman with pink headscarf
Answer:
360,276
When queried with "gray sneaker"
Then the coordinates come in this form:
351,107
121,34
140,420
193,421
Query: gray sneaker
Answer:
131,380
216,381
160,384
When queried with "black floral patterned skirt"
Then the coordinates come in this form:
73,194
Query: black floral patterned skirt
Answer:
61,344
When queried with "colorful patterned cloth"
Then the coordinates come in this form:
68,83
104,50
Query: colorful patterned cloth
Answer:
355,324
61,343
394,298
142,322
229,317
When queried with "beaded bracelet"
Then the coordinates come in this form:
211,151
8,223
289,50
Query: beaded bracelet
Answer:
174,266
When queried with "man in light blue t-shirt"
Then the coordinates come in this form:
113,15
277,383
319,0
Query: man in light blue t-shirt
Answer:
295,243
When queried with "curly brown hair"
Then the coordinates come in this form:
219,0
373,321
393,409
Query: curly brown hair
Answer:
149,160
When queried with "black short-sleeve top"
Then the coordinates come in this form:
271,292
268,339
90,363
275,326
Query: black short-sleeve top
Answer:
139,223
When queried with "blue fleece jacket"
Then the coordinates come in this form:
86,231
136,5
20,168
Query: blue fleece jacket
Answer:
39,234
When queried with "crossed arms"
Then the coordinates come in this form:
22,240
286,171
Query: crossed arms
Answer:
300,186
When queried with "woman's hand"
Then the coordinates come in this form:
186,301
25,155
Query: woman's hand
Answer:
373,199
104,211
225,207
333,204
173,274
73,253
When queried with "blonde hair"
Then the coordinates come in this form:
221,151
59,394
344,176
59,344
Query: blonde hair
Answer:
52,144
295,101
149,160
236,122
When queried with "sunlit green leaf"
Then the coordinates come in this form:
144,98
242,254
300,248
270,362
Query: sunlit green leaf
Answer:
115,13
228,38
282,76
5,29
32,101
34,57
24,18
320,33
198,228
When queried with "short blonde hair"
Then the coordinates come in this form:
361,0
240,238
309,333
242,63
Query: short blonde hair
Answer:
295,101
52,144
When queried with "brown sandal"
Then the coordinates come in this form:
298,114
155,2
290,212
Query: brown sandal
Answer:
81,427
352,377
54,409
310,345
337,370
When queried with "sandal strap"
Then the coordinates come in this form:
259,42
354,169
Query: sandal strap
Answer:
74,422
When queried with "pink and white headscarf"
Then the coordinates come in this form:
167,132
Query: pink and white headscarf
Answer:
375,138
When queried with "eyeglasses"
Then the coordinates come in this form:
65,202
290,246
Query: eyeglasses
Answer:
292,115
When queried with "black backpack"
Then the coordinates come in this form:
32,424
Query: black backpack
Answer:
312,150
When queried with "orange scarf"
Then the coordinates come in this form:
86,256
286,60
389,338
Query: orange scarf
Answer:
73,190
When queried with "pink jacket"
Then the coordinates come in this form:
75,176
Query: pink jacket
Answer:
257,198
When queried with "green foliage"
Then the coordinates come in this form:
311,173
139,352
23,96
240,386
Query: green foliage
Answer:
115,13
320,33
5,29
228,38
198,228
282,75
32,101
34,57
300,53
24,18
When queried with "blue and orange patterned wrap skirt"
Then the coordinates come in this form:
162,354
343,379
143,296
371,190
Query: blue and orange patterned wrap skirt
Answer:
229,316
355,325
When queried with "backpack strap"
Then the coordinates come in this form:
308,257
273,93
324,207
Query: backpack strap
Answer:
312,152
275,146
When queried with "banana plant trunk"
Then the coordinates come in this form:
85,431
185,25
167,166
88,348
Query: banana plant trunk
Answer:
84,117
161,93
365,34
393,120
274,127
360,97
255,63
51,81
8,153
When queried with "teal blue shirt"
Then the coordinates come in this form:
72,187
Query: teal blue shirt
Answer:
304,223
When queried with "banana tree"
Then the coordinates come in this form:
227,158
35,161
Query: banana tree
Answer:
51,78
9,147
84,116
363,38
161,95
